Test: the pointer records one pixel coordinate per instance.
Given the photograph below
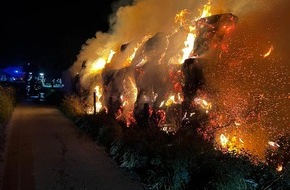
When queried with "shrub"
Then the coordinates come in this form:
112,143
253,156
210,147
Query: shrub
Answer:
7,103
73,106
109,132
183,160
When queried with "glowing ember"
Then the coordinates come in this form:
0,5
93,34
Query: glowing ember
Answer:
273,144
203,104
268,52
279,167
237,123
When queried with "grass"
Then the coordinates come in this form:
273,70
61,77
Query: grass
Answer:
8,101
180,161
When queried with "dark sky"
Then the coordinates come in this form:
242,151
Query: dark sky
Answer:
49,34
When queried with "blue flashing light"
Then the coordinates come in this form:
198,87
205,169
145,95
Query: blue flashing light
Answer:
14,71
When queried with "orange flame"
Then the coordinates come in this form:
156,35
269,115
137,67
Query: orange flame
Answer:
206,10
135,90
132,55
112,52
231,144
224,140
203,104
279,167
189,42
98,65
174,99
98,98
268,52
179,17
128,99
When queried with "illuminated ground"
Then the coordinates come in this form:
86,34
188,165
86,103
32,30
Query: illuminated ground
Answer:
44,151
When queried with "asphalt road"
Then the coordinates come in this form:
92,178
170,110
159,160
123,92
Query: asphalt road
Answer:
44,151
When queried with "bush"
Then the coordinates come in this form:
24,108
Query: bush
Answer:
7,103
73,106
108,133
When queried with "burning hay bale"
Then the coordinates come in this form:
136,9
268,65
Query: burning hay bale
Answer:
150,89
115,89
211,31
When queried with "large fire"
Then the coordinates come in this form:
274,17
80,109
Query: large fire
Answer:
177,60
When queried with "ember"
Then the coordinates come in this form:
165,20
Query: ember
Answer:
268,52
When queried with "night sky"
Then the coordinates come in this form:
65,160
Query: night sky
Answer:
49,34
